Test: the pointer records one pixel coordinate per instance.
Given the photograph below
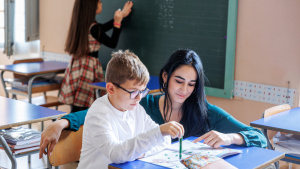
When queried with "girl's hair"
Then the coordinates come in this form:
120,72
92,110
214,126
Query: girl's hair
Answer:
194,110
83,15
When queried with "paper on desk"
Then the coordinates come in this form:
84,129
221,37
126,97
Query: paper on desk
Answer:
191,148
166,158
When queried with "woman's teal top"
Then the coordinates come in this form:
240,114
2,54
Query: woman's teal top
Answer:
219,120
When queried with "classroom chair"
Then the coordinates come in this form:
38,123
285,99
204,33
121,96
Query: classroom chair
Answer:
269,134
67,149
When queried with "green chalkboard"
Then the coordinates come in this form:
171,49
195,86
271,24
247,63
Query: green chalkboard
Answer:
156,28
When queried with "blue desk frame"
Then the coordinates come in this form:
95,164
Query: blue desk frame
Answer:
252,157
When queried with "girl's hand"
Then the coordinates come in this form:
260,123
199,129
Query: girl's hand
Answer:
215,139
127,8
118,16
173,128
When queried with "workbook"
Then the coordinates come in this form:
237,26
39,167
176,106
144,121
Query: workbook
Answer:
170,157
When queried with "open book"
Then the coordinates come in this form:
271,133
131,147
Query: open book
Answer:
170,157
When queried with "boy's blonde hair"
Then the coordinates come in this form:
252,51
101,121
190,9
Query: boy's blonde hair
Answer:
125,65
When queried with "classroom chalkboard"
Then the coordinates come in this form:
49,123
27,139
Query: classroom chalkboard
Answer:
157,28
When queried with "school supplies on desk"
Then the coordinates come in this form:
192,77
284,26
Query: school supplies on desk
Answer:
22,150
199,161
22,85
180,147
21,140
20,136
169,157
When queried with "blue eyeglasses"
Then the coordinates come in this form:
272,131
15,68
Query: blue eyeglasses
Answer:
135,93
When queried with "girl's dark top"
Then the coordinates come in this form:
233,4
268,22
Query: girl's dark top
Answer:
98,31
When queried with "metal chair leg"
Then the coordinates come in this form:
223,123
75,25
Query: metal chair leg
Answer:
42,126
49,166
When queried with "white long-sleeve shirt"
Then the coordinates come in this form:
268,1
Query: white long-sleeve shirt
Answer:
113,136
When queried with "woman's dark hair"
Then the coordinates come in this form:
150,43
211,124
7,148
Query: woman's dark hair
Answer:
194,110
83,15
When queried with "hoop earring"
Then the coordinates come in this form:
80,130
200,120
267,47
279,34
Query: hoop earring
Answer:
164,85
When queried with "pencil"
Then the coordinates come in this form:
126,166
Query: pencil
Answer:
180,147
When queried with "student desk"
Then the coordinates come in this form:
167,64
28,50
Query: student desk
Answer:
153,85
252,157
286,121
15,113
34,70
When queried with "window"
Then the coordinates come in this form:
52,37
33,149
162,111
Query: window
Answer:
21,27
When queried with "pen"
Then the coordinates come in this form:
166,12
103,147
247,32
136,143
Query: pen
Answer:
180,147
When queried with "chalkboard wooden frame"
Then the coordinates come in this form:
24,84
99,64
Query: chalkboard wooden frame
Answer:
224,88
227,92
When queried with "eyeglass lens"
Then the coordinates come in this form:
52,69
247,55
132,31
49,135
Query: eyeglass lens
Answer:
137,92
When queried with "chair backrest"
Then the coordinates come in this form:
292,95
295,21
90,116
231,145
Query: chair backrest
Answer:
26,61
271,111
276,109
68,148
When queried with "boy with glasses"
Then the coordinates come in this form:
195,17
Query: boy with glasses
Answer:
117,128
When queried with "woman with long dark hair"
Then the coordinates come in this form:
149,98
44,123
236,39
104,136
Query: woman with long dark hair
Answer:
183,101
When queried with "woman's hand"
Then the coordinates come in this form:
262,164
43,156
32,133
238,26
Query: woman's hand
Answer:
51,136
173,128
127,8
216,139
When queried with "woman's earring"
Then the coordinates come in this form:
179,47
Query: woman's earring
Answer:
164,85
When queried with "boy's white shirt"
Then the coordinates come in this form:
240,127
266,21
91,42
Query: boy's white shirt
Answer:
113,136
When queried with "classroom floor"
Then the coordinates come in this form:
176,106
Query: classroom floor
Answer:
37,163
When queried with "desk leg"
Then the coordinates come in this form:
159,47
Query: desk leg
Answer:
30,82
8,152
97,93
3,84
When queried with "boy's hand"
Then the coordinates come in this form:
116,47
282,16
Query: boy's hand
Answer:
51,135
127,8
173,129
215,139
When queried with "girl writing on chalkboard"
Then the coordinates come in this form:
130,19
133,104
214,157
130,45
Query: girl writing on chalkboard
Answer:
83,42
